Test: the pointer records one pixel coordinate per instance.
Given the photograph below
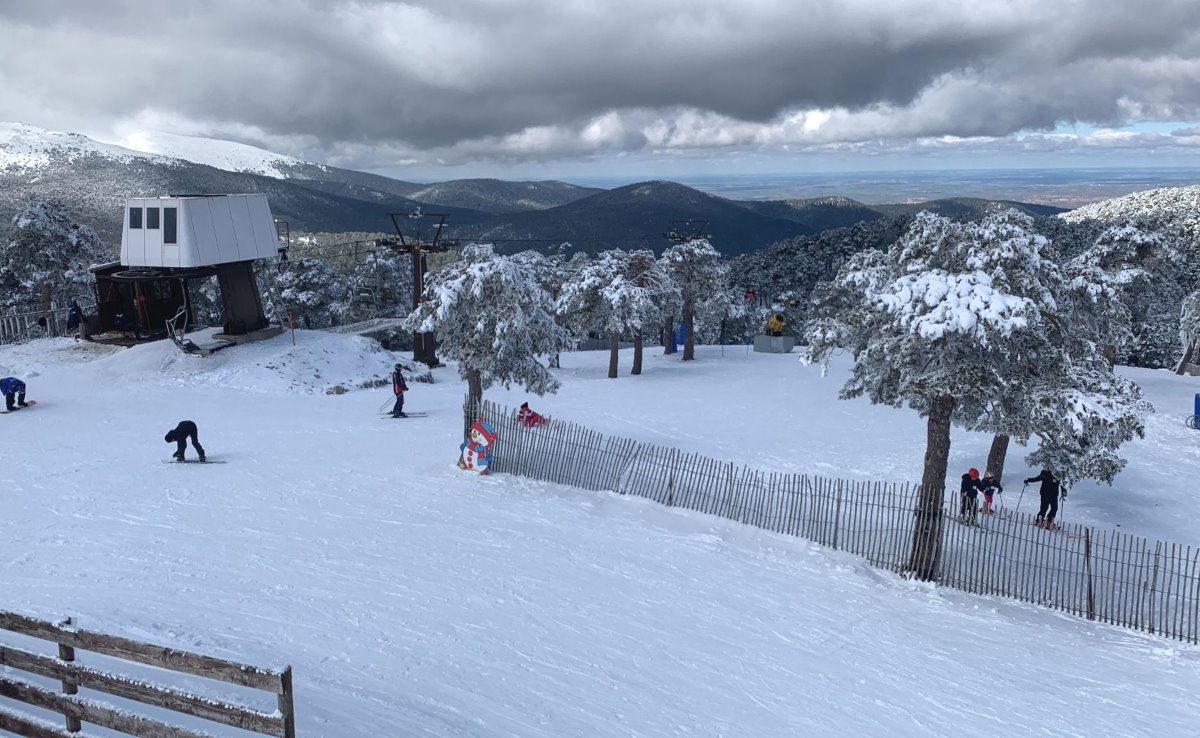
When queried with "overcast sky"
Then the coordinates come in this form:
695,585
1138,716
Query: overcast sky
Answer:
522,88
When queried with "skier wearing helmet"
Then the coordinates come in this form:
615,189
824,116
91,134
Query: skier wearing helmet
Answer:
398,388
969,491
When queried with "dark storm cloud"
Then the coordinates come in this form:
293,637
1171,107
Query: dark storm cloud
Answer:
525,78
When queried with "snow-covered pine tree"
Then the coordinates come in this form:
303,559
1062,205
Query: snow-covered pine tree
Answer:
1189,332
313,292
696,267
494,319
1143,264
646,295
552,271
47,258
953,319
585,304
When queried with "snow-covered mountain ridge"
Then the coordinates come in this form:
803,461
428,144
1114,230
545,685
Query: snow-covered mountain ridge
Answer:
1170,203
29,147
229,156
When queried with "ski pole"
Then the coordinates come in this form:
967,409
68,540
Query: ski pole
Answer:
1019,498
385,404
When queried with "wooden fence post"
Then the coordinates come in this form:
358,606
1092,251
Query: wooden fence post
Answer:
67,653
1087,567
286,708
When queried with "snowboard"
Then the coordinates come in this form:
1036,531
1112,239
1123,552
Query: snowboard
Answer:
28,405
194,461
406,415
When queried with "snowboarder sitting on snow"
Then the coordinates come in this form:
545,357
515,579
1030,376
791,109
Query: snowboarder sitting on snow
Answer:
13,390
1049,494
399,387
969,490
989,486
528,417
180,435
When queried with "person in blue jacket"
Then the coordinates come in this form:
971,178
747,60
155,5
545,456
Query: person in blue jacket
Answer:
13,390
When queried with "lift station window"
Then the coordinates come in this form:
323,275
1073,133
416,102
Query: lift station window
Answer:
135,217
169,223
152,218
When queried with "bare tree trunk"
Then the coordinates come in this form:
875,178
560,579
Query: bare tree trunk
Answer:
45,296
637,353
1188,352
613,348
689,338
927,527
474,399
668,336
996,456
1109,352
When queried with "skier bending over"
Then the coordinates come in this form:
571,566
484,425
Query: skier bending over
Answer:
179,435
399,388
13,390
1049,493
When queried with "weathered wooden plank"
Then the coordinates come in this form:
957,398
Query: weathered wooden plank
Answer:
148,694
143,653
92,712
29,727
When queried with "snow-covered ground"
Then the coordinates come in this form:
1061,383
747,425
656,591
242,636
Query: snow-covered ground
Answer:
414,599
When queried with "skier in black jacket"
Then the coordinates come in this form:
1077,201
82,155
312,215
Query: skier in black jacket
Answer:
969,491
180,434
399,387
1049,493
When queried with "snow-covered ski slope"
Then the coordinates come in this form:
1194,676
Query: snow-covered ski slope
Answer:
414,599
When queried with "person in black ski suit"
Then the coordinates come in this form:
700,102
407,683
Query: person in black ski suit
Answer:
399,388
180,434
969,490
1049,493
76,321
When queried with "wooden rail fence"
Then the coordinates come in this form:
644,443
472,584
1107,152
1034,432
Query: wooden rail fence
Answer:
19,327
77,709
1101,575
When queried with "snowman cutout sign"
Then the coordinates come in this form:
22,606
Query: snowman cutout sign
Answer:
476,451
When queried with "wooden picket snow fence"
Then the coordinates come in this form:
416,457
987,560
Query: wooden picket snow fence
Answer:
20,327
78,710
1101,575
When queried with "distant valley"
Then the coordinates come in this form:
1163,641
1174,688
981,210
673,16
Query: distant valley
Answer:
739,213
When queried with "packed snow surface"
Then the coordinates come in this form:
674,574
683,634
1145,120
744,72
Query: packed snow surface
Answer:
414,599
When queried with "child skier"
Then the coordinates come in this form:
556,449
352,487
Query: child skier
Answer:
179,435
399,387
528,417
13,390
990,487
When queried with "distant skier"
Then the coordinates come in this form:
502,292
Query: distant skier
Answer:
76,320
528,417
399,387
180,435
13,390
1049,494
969,490
989,486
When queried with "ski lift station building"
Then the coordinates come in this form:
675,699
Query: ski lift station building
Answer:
177,238
197,231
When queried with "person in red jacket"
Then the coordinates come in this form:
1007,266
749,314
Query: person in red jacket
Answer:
528,417
398,387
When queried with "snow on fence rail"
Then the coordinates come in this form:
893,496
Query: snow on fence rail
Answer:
1101,575
77,710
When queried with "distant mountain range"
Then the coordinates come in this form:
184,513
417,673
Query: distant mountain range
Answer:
93,179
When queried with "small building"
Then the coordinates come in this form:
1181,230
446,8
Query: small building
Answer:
167,241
